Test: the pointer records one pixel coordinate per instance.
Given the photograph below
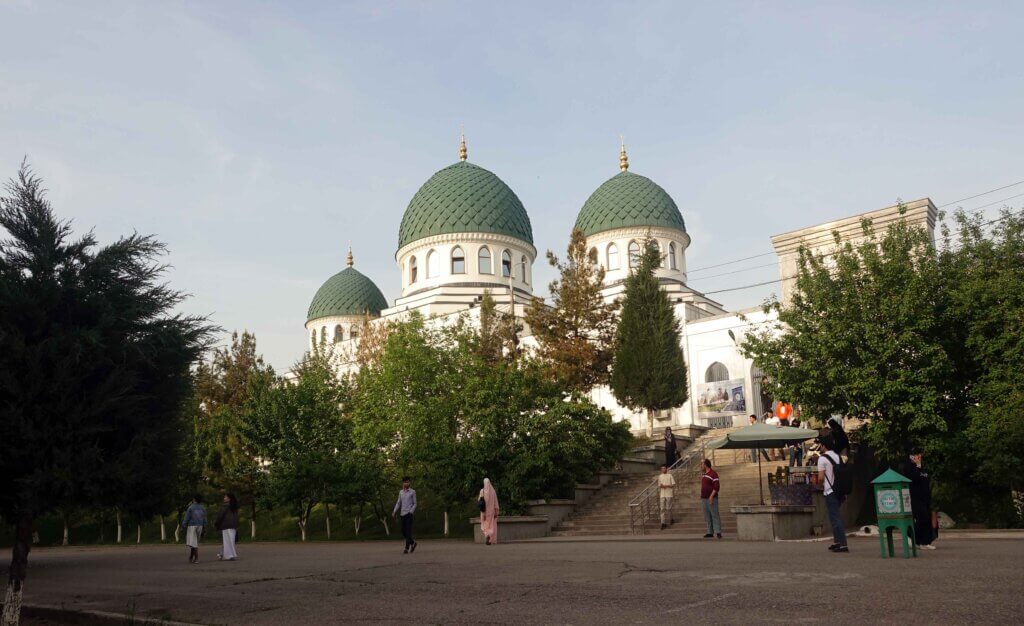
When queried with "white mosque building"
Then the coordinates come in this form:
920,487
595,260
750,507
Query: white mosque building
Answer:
465,231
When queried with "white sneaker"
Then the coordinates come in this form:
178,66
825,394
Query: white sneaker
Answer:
927,547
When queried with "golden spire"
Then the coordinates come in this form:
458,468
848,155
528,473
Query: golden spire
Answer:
623,159
348,260
463,153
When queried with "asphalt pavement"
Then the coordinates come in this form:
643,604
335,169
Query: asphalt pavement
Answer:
457,582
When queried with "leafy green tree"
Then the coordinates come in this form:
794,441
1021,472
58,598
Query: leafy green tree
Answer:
576,334
94,366
299,431
863,337
649,371
983,276
222,389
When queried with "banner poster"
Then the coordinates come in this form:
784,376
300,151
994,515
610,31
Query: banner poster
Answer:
724,397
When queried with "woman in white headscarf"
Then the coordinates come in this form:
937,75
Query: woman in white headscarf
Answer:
488,504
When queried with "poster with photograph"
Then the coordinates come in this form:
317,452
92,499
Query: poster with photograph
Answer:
724,397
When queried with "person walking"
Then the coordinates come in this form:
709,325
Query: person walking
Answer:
709,488
489,510
920,499
193,523
227,524
406,507
671,450
754,451
666,482
827,463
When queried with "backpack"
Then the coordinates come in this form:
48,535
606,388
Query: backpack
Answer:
842,477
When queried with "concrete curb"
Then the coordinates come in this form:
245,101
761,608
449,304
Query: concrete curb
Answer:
101,618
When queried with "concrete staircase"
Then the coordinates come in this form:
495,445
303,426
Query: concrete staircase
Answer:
607,513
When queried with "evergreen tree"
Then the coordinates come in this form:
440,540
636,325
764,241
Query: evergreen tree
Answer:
649,371
576,333
94,368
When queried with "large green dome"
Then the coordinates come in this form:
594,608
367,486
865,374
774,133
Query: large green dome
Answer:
464,198
628,200
347,293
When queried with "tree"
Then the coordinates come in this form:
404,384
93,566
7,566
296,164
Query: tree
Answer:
298,430
576,334
863,337
94,364
649,371
222,388
984,313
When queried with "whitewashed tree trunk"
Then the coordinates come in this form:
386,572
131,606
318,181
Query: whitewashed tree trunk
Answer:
327,516
177,533
446,523
138,533
67,532
356,521
118,525
12,605
650,422
163,530
252,529
387,531
302,528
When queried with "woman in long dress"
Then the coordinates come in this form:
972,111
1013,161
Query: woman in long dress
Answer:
670,447
489,514
227,524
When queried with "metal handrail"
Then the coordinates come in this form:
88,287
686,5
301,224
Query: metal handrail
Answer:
645,505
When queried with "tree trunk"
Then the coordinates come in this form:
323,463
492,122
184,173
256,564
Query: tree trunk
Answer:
138,533
302,528
67,533
177,533
163,530
327,516
252,521
446,523
118,525
650,422
387,531
1017,495
19,567
356,521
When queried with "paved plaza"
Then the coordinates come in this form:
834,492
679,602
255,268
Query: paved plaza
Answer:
620,582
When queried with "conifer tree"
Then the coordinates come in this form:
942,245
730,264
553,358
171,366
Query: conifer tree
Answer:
649,371
576,334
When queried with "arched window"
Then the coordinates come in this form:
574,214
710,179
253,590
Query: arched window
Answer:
413,270
458,261
592,255
323,335
672,256
483,260
716,372
506,263
339,333
661,254
522,270
433,265
613,256
312,337
634,254
353,333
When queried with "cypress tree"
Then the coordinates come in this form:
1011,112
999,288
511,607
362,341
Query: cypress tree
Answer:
649,371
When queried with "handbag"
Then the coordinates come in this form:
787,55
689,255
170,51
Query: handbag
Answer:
482,505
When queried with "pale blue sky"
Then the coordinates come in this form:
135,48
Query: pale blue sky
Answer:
257,140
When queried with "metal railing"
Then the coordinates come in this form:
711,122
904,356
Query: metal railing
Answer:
645,506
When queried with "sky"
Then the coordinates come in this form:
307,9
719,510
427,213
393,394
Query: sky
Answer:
260,140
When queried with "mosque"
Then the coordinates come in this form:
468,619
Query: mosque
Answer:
466,232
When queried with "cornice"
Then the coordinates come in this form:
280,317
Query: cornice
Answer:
466,238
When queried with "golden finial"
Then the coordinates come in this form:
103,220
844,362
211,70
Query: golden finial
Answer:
623,159
348,260
463,153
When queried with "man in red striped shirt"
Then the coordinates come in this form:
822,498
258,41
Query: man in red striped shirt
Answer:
709,487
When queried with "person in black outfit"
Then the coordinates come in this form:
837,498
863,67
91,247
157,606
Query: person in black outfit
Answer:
920,499
670,447
839,436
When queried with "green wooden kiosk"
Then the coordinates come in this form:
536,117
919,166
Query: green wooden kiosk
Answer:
892,502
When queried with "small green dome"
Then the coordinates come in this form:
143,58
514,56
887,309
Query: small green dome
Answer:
347,293
464,198
626,200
